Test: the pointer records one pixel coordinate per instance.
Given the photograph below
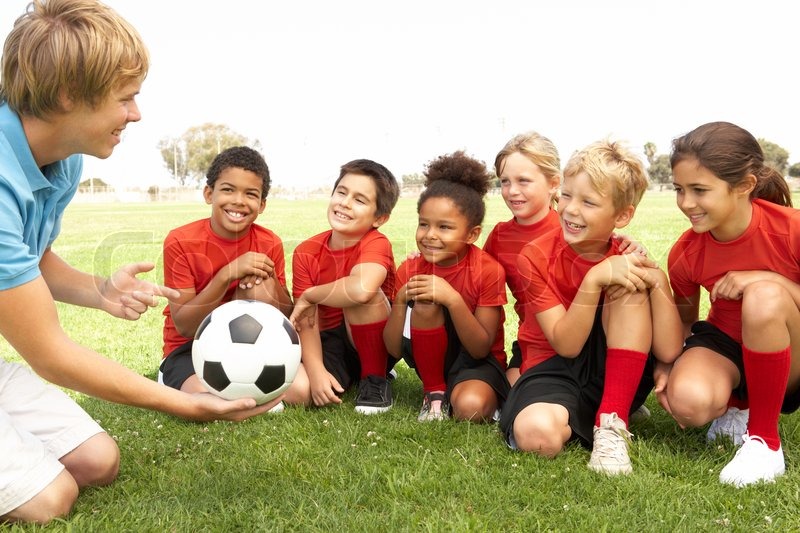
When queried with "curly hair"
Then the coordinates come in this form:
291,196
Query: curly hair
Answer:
462,179
242,157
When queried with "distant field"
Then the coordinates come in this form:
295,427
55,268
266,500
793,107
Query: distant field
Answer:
332,469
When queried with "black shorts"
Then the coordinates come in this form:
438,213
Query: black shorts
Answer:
340,356
177,367
575,383
460,366
707,335
516,356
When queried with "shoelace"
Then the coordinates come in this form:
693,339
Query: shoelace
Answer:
606,442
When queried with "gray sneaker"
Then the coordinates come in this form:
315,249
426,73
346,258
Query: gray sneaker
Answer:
639,415
610,446
732,425
431,411
374,395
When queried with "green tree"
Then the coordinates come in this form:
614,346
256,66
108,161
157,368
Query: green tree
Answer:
412,181
659,170
794,170
188,157
775,156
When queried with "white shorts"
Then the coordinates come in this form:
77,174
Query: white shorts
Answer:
39,424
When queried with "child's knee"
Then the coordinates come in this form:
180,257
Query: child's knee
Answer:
692,403
536,436
471,406
95,462
763,302
54,501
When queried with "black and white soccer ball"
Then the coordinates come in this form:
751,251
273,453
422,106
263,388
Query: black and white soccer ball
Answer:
246,349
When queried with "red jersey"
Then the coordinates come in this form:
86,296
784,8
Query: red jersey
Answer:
504,244
771,242
478,277
552,272
315,263
193,254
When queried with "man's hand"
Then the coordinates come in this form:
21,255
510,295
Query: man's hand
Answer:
125,296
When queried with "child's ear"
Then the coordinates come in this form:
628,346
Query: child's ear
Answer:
473,234
263,205
207,194
64,101
380,221
623,218
746,186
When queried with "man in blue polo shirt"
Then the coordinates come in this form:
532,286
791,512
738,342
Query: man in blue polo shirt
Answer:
71,70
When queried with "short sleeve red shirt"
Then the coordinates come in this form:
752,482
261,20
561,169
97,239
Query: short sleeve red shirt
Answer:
771,242
551,272
504,244
478,277
193,254
315,263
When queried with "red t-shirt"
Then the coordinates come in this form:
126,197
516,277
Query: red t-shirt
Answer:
771,242
478,277
193,254
315,263
551,272
504,244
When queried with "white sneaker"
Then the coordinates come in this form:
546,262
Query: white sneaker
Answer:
753,462
277,408
610,446
732,424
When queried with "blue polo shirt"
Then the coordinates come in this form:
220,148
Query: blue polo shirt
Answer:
32,202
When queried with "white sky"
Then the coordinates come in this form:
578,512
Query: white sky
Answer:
322,82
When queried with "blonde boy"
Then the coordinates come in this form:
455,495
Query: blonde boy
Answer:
589,310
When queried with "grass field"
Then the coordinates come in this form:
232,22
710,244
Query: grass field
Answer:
332,469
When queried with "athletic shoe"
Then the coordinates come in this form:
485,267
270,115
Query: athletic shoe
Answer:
732,424
374,395
434,407
610,447
639,415
754,461
277,408
391,375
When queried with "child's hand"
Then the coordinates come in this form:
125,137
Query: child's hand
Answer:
628,246
731,286
251,264
413,254
248,282
303,311
430,288
630,271
325,389
661,377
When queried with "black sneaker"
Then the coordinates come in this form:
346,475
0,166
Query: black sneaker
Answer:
374,395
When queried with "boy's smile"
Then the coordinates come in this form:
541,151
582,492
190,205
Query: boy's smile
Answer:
351,211
588,218
235,201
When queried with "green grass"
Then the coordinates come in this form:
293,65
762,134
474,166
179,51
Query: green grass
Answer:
331,469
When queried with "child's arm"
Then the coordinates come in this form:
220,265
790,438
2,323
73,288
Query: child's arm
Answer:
475,331
357,288
731,286
568,329
192,307
393,331
325,389
667,325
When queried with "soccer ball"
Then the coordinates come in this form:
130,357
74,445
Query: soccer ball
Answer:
246,349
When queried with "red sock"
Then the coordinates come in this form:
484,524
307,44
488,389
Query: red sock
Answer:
624,369
767,375
429,347
371,349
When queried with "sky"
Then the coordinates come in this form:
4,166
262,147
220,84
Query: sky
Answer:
320,83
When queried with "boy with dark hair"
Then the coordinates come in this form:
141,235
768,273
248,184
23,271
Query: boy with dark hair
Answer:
71,70
222,258
589,314
343,281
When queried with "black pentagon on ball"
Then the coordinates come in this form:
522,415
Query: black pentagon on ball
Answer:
215,376
290,331
271,377
203,325
244,329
